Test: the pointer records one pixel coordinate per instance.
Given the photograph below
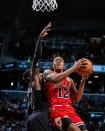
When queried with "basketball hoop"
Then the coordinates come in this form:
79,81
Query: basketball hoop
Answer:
42,5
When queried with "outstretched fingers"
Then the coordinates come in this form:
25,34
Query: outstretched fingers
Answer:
47,28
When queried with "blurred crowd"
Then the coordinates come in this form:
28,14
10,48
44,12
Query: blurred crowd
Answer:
71,47
71,53
13,114
93,114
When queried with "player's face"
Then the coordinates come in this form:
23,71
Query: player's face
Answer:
58,64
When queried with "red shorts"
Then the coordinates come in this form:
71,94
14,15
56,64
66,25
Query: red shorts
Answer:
57,112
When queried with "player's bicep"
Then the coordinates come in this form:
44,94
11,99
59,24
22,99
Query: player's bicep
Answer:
36,83
49,76
34,73
35,78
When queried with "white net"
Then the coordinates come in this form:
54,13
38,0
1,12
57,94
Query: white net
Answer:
42,5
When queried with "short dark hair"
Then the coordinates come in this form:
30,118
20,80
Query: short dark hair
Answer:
58,57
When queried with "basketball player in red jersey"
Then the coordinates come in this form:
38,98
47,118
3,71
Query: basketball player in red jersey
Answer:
60,89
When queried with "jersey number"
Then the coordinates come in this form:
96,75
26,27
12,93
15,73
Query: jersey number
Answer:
63,95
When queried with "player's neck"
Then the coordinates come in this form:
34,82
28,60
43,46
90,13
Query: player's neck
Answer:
58,71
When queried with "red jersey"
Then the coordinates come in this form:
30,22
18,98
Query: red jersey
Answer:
61,105
59,93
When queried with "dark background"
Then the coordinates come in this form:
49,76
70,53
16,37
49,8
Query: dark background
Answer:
78,30
20,27
85,12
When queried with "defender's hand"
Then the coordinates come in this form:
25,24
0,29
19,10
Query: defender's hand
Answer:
45,30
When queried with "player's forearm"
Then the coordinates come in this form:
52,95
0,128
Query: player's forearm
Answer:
80,91
63,75
37,54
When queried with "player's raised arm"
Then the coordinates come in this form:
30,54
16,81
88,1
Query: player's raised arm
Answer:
38,48
37,56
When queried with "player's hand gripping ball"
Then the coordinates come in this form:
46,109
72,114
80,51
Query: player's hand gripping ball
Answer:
87,70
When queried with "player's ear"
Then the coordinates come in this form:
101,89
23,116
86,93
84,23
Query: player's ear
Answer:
64,67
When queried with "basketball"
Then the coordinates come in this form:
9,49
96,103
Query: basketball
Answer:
87,70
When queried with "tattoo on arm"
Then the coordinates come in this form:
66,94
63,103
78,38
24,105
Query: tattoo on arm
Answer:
48,76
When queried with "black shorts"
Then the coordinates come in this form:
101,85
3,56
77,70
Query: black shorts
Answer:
38,121
67,121
83,127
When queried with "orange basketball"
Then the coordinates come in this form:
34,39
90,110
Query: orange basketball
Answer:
87,70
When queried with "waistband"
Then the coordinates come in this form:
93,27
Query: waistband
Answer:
60,104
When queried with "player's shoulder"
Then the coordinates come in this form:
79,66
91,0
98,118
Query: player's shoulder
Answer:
47,72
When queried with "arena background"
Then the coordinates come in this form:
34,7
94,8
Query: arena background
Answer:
78,30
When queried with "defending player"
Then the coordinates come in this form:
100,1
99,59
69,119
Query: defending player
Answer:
39,119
